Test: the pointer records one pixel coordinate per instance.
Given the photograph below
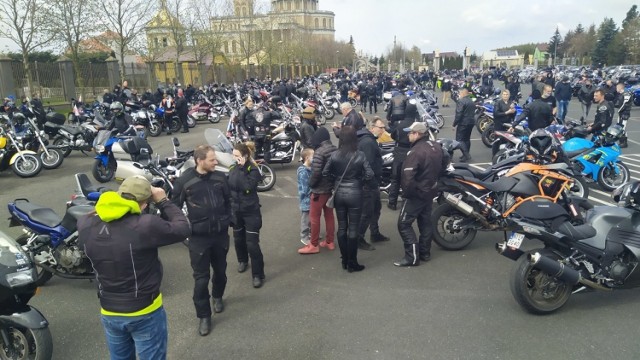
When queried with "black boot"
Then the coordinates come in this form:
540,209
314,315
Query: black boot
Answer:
352,260
205,326
623,142
342,244
364,245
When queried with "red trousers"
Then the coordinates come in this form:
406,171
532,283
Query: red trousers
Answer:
318,205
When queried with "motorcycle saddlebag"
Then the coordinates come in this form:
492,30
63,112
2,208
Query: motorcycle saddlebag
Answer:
135,144
541,210
56,118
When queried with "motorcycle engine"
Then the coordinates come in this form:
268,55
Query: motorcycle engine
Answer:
506,201
619,271
79,142
70,257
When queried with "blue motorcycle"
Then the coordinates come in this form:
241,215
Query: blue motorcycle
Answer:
599,158
51,240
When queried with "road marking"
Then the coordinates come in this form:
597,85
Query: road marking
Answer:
279,195
633,141
600,201
600,192
290,179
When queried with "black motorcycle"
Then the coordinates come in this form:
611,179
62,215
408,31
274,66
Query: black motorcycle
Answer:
34,139
602,253
67,138
24,331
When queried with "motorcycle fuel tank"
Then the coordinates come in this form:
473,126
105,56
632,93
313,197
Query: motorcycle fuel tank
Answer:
602,218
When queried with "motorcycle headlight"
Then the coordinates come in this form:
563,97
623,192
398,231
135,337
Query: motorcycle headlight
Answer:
20,278
99,148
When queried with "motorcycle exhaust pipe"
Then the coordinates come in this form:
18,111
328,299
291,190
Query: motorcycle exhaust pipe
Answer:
465,208
554,268
511,253
562,272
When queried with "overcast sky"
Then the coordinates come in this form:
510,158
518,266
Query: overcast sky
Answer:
450,25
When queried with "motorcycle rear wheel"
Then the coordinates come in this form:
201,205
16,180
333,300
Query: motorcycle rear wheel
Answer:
444,218
483,122
321,119
53,160
214,117
488,136
43,275
35,344
329,113
174,124
27,165
103,173
191,122
535,291
63,144
268,179
439,121
609,180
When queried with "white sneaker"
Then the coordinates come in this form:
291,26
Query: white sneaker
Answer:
305,241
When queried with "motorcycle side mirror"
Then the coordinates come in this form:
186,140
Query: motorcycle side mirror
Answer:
176,142
138,165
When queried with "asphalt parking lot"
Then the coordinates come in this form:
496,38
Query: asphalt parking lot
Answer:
457,306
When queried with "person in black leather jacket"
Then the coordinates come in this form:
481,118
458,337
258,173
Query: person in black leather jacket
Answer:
503,112
539,113
308,127
245,120
349,168
400,151
464,123
604,113
420,173
371,204
247,218
351,118
397,108
120,120
623,102
261,118
321,187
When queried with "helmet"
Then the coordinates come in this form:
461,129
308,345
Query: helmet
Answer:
627,195
540,142
613,134
116,107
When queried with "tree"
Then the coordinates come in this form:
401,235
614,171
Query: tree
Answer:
629,36
632,14
606,34
126,20
72,22
25,24
175,11
554,45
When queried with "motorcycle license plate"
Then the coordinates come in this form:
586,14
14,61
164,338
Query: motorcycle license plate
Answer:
515,240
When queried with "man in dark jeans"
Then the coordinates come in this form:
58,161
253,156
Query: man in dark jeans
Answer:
182,109
206,193
464,123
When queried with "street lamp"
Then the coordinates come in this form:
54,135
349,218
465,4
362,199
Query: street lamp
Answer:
280,57
337,64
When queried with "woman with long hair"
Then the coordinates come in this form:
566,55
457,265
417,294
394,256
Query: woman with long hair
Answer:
350,170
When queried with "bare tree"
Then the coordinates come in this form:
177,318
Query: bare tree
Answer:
176,11
125,18
72,22
250,35
25,24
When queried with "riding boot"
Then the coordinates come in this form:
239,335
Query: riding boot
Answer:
623,141
352,250
342,244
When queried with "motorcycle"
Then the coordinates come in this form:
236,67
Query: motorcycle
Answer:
24,163
116,155
467,204
224,154
146,118
600,254
32,138
599,159
204,110
52,240
67,138
24,331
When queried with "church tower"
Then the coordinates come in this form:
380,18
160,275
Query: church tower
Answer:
243,8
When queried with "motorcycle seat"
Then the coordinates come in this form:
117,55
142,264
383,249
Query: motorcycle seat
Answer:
73,130
40,214
477,173
501,185
572,154
86,186
80,210
578,232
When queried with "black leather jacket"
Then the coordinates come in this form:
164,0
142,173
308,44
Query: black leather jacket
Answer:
539,113
421,170
245,121
121,122
368,144
397,106
604,116
499,116
319,183
243,185
623,102
261,119
358,171
465,112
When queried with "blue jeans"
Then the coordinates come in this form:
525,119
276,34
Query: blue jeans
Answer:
146,335
562,109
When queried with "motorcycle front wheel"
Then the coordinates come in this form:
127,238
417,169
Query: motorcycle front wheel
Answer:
103,173
483,123
580,188
27,165
154,129
439,121
329,113
26,343
446,234
609,180
321,119
535,291
191,122
214,117
43,275
174,124
53,160
268,179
